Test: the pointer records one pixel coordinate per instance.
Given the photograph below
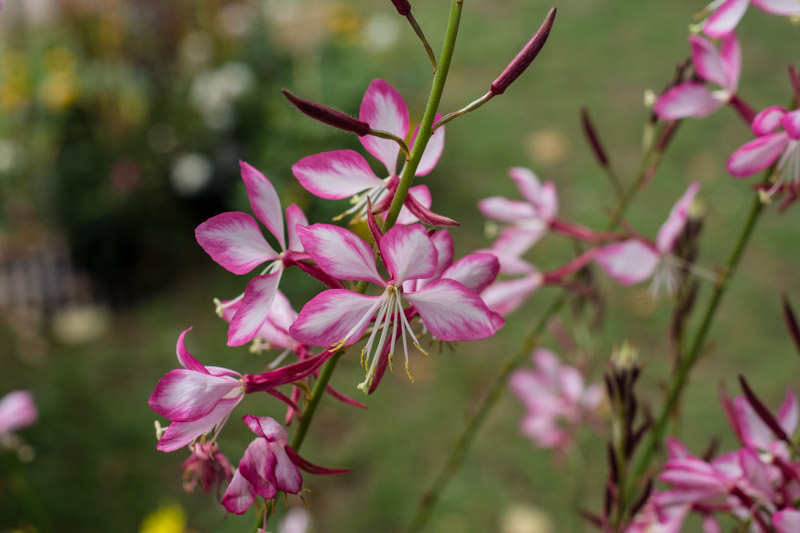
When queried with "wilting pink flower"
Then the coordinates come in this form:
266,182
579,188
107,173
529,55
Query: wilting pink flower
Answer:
268,465
17,411
786,521
728,13
236,243
338,317
777,139
556,399
344,173
197,399
719,67
207,466
635,260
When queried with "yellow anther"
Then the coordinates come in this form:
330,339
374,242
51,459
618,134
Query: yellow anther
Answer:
364,358
391,365
421,349
409,373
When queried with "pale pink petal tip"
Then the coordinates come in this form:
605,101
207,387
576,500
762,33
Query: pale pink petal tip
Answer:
629,262
384,109
690,99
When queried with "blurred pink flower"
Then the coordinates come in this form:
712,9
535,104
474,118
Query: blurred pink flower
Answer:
17,411
728,13
207,466
556,399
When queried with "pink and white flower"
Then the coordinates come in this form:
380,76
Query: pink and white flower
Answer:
268,466
17,411
786,521
197,399
556,399
235,242
755,434
338,317
777,139
345,173
728,13
634,260
207,466
719,67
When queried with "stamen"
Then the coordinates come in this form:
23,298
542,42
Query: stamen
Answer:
408,372
219,307
338,345
279,359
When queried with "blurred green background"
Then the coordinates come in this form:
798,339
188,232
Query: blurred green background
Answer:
121,127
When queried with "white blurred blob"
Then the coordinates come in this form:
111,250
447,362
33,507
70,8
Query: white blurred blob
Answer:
382,32
81,324
520,518
190,173
297,520
196,48
214,92
236,19
9,155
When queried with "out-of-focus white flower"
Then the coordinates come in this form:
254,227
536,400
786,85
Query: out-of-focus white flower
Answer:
297,520
190,173
381,32
214,92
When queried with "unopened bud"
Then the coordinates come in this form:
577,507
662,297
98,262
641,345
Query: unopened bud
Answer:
402,6
594,141
525,57
329,116
624,357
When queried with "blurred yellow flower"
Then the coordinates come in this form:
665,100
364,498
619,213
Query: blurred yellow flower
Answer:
59,59
165,519
59,90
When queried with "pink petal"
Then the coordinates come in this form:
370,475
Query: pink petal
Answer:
184,395
475,271
689,99
757,155
408,253
186,359
264,201
287,475
234,241
676,449
295,217
732,61
443,242
267,428
258,467
517,240
528,184
331,315
281,313
725,18
451,312
340,253
791,123
548,202
421,194
17,410
504,210
788,413
768,120
254,310
755,433
787,521
384,109
433,151
504,297
676,221
180,434
239,495
628,262
710,525
785,8
335,175
707,61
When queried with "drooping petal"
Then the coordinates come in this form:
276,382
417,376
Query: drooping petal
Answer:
791,123
287,475
180,434
17,410
408,253
768,120
628,262
788,413
451,312
673,227
331,315
725,19
786,521
689,99
757,154
505,210
708,61
258,467
255,308
295,217
475,271
267,428
264,201
785,8
335,175
527,182
384,109
239,495
731,54
433,151
505,297
186,359
185,395
234,241
339,252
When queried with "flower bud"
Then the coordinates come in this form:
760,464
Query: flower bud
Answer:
402,6
329,116
525,57
625,357
594,141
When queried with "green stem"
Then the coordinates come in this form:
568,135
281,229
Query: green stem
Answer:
464,440
428,50
394,210
695,348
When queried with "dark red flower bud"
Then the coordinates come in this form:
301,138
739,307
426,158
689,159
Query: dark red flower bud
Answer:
402,6
525,57
594,141
329,116
763,413
791,322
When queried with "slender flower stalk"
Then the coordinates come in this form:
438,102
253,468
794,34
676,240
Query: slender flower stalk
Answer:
404,8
